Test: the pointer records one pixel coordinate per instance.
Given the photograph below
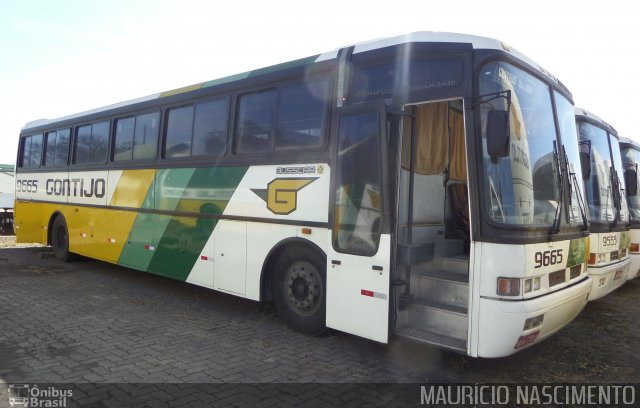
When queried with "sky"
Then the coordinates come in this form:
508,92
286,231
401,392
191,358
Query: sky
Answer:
61,57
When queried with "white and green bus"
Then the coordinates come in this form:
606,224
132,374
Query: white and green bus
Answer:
630,151
422,186
604,187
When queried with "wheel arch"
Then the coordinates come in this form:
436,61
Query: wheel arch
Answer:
266,274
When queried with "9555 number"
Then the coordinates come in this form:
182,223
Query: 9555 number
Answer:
546,258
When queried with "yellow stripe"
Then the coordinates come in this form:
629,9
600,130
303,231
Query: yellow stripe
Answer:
181,90
94,232
132,188
108,230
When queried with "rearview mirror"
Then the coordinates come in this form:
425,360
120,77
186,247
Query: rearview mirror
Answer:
585,159
631,181
497,132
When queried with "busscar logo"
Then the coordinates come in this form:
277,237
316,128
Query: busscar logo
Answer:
281,194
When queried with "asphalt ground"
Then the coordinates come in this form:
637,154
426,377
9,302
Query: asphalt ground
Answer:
122,337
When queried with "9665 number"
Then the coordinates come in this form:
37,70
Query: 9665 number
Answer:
546,258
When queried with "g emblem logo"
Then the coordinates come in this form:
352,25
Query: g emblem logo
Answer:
281,194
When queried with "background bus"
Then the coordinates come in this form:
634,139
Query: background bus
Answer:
609,216
630,151
376,189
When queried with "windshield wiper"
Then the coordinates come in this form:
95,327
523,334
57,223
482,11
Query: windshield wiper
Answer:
555,227
573,185
617,199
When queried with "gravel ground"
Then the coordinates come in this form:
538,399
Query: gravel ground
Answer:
10,242
93,322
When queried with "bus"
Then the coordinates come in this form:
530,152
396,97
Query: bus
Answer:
422,186
630,151
604,187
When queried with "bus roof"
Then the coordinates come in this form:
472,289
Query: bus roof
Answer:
628,143
594,119
416,37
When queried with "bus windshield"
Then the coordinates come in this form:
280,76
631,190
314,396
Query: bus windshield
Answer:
524,187
619,173
569,136
600,186
631,158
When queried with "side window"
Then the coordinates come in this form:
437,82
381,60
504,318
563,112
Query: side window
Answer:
301,115
91,143
256,114
99,142
288,118
50,151
62,147
57,148
210,128
145,142
179,128
124,139
32,151
136,137
83,143
197,130
26,151
36,150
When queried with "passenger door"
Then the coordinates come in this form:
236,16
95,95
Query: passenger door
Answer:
358,256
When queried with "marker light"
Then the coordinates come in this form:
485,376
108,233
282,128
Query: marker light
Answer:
634,247
508,286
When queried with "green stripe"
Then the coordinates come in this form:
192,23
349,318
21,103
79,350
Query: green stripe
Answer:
257,72
142,232
208,191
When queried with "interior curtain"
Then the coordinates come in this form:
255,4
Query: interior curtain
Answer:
432,139
458,166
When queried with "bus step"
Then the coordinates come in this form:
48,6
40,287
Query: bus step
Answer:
449,247
438,318
432,338
444,287
457,264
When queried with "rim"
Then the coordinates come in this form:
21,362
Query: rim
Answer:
304,287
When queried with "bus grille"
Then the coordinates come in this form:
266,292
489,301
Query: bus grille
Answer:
556,278
615,255
574,272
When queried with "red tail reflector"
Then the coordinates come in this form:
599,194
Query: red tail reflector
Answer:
364,292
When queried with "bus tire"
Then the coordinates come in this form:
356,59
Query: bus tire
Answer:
60,240
299,289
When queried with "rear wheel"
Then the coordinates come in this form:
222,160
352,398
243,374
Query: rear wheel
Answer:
299,289
60,240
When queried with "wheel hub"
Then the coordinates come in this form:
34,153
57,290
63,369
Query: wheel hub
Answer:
304,287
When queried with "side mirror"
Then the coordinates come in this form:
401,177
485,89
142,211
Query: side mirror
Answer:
631,181
585,159
497,132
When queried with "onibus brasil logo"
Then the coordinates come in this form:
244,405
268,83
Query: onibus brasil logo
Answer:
25,395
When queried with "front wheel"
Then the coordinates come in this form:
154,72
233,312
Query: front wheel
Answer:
299,289
60,240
